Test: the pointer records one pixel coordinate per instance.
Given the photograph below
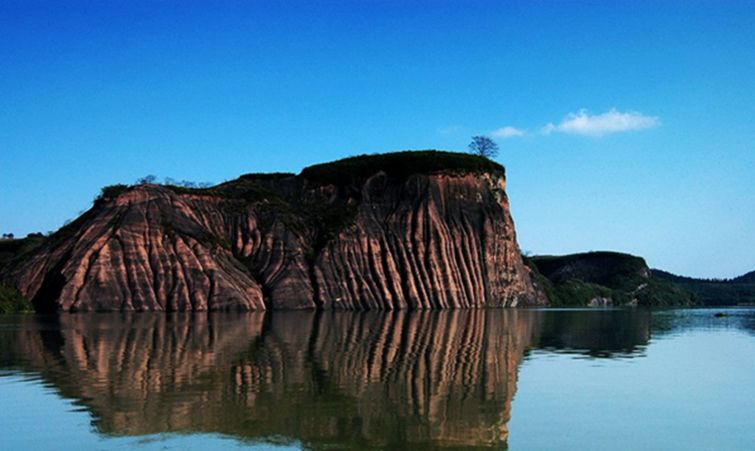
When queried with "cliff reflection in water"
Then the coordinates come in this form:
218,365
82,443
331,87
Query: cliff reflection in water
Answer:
597,333
354,379
351,380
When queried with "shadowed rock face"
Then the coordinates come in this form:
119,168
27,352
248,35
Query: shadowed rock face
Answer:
426,241
349,380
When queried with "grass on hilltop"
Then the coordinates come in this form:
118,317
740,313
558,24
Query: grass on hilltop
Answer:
398,165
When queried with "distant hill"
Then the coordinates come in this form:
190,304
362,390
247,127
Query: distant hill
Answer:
614,278
745,278
604,278
736,291
610,269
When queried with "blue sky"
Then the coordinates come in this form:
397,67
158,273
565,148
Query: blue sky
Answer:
651,107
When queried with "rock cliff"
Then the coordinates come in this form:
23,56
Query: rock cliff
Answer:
409,230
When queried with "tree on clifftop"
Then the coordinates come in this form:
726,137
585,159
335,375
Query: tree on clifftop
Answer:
483,146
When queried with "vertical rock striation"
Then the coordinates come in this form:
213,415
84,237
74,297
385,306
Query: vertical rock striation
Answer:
383,238
434,241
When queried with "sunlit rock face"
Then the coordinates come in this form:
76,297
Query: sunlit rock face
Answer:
343,380
426,241
432,242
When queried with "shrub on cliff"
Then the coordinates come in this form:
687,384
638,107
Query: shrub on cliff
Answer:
12,249
111,192
11,301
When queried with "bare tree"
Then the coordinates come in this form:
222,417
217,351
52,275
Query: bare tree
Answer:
483,146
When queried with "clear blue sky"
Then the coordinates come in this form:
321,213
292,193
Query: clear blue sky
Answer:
651,104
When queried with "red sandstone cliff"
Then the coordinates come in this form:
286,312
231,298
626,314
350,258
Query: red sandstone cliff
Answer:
384,239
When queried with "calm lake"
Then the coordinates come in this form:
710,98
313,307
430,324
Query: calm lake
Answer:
523,379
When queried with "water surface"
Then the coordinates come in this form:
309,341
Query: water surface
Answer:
526,379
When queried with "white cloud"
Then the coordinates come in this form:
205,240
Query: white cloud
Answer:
507,132
582,123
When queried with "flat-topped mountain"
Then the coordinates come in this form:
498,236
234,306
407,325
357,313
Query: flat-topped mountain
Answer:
406,230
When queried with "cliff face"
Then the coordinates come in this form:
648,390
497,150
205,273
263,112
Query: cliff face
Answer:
440,239
435,241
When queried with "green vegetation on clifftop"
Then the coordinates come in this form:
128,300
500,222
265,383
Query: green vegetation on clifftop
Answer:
111,192
398,165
